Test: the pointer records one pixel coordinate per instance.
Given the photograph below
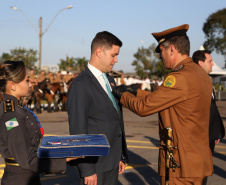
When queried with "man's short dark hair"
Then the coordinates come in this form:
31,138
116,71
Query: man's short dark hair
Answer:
105,39
181,43
200,55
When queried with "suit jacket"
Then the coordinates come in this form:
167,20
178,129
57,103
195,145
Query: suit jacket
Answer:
183,103
91,111
216,127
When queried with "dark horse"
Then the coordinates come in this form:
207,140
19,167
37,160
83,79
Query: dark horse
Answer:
57,90
38,93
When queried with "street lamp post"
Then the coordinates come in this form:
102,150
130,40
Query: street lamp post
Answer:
40,34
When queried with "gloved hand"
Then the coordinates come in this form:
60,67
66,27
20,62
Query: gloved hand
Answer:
132,90
118,90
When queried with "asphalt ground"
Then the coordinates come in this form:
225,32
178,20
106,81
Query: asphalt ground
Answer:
142,140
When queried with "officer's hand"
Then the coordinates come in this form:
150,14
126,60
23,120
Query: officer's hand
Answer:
118,90
73,158
91,180
132,90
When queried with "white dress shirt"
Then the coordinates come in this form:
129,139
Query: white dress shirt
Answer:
98,74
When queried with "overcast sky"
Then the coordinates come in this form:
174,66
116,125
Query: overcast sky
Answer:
72,31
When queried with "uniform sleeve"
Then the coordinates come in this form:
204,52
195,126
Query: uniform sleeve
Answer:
78,109
173,90
19,146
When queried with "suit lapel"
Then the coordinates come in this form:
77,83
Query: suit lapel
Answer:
98,86
112,84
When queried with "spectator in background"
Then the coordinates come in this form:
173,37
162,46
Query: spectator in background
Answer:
216,127
122,81
129,80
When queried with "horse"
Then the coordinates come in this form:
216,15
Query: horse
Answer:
57,90
64,95
38,93
63,91
69,83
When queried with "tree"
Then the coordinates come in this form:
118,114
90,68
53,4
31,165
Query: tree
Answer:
21,54
81,63
148,63
160,70
73,64
67,64
215,32
5,56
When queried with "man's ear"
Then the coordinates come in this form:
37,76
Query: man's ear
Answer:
200,63
172,49
99,52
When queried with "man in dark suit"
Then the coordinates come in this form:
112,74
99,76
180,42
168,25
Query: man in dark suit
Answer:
92,109
216,127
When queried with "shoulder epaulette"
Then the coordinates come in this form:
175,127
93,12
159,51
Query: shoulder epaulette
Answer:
179,68
9,106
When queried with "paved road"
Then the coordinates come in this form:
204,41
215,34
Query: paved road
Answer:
142,140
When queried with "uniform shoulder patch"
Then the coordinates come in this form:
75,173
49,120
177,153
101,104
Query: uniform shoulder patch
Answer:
11,124
170,81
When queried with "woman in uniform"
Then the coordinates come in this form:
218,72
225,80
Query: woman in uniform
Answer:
20,132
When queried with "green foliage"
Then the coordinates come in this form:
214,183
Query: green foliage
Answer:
67,64
215,32
219,87
81,63
21,54
161,70
148,63
5,56
73,64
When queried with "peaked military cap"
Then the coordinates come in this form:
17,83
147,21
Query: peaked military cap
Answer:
170,33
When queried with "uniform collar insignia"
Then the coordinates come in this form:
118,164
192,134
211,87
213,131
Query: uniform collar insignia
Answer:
179,68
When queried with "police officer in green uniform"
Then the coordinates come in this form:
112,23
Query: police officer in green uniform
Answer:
20,130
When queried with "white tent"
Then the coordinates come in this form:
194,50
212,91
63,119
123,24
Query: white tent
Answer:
216,70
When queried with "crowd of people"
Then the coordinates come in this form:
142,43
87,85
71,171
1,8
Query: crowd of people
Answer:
188,116
54,78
